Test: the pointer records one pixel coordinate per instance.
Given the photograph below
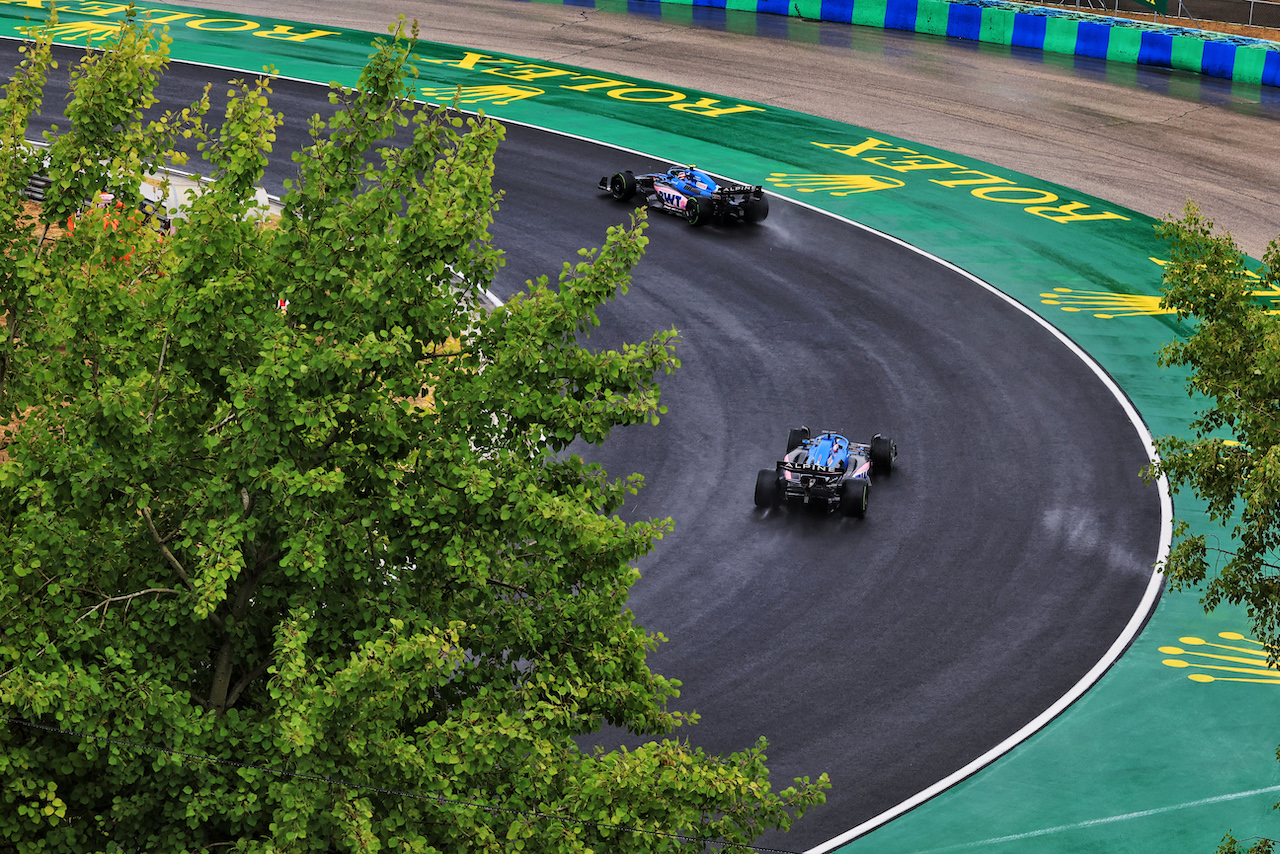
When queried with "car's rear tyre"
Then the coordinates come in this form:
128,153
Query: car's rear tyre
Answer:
698,211
797,437
756,210
853,499
767,488
622,185
881,454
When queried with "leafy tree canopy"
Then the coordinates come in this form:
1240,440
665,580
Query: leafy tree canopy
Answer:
1232,461
322,578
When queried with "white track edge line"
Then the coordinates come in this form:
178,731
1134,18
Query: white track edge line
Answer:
1131,630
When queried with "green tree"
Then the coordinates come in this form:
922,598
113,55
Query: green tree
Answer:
1232,461
324,578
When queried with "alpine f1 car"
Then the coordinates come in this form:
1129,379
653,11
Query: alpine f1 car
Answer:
826,472
689,192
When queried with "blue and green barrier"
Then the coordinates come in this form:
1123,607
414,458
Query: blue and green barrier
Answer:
1062,31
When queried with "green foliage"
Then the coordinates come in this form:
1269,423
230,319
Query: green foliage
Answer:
1231,846
1233,461
107,143
334,560
18,162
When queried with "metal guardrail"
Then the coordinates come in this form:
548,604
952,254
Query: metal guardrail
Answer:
36,187
1253,13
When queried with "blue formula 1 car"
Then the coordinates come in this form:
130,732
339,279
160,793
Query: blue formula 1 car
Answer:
689,192
826,472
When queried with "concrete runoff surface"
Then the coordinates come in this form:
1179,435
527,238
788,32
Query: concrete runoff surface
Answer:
1147,139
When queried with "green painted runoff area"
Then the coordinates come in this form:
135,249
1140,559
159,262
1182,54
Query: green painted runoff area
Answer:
1149,760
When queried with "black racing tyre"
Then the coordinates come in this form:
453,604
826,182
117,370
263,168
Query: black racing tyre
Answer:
756,210
796,438
881,455
622,185
767,488
853,499
698,211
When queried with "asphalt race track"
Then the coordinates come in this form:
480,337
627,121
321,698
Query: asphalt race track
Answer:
1010,547
993,569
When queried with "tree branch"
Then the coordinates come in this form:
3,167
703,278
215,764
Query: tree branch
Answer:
1234,554
512,587
155,398
221,694
106,603
173,561
245,680
232,416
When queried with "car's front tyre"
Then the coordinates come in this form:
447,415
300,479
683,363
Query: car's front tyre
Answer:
797,437
622,185
881,454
